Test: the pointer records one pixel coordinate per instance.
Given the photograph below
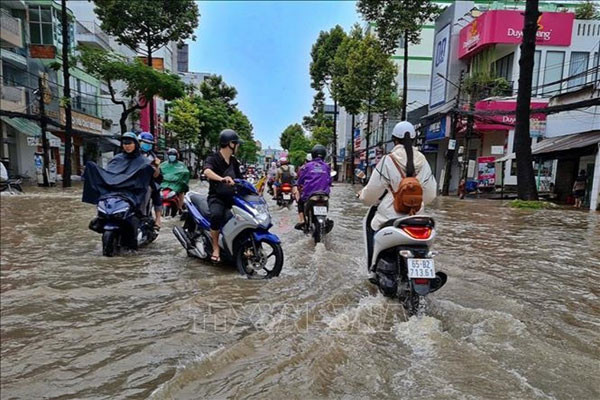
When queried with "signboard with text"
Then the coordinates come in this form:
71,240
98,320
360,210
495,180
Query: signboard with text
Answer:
441,54
504,122
486,175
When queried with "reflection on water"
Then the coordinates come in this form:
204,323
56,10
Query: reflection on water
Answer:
519,317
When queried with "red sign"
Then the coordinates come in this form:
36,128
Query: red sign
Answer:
503,122
506,26
42,51
486,171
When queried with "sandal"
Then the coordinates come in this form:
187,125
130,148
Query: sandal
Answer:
157,228
215,259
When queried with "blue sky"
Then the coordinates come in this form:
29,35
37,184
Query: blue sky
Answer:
263,49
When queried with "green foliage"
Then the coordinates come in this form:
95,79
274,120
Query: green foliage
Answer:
370,75
317,116
287,136
323,135
301,142
214,88
148,24
297,157
346,94
482,85
240,123
322,55
587,10
184,121
213,118
531,204
394,19
247,151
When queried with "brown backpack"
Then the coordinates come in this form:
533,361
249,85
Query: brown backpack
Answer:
409,196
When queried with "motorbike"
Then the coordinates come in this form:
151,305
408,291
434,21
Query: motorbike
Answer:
169,202
12,186
399,254
245,239
316,222
284,195
121,224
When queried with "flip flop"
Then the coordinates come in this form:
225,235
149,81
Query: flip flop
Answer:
215,259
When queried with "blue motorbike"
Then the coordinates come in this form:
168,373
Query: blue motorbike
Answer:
121,224
245,240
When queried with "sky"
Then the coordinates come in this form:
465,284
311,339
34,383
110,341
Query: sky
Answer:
263,49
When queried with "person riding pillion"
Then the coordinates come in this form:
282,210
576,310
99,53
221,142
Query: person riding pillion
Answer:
146,140
313,177
221,168
392,186
176,176
285,174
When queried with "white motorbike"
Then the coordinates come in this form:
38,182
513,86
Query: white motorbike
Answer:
399,255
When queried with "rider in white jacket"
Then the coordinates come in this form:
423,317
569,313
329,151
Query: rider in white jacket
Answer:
386,174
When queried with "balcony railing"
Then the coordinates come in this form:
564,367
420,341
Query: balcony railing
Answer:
12,98
89,31
10,30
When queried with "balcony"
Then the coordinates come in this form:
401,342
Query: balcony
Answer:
10,30
13,98
89,33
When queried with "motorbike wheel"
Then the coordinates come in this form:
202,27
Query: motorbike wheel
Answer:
265,265
109,243
318,233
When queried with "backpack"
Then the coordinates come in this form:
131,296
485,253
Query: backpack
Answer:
286,174
409,196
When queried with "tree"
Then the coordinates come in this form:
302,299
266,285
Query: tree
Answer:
147,26
587,10
396,20
299,147
214,88
317,116
184,123
322,135
321,71
142,82
526,189
213,118
241,124
370,77
289,134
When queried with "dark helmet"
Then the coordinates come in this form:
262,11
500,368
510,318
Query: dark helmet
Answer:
319,151
227,136
172,151
130,136
146,137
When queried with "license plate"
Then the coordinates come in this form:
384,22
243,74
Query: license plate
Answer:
287,196
320,210
421,268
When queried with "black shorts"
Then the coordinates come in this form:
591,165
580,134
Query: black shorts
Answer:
218,211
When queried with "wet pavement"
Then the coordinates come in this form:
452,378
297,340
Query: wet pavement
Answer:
518,319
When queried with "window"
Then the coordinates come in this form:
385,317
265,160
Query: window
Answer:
597,74
553,71
504,67
84,96
536,72
40,25
578,65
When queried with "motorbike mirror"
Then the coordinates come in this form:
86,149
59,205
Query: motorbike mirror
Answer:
333,173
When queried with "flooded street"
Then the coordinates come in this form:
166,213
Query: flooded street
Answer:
518,318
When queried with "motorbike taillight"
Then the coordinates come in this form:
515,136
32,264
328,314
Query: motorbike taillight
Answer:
421,281
418,232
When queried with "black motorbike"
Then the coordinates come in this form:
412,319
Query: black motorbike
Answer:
316,222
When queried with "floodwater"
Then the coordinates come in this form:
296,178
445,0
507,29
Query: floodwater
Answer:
518,319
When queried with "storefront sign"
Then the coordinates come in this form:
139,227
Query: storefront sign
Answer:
42,51
436,130
35,141
504,122
499,150
487,171
83,122
441,54
506,26
537,128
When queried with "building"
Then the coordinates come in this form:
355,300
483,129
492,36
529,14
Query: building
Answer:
486,42
183,58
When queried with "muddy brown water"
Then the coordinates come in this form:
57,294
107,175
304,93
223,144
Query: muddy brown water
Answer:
518,319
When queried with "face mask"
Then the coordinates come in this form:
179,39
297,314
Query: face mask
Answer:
146,147
172,158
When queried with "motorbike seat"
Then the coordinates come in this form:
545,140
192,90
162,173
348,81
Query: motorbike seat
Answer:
201,203
410,220
319,196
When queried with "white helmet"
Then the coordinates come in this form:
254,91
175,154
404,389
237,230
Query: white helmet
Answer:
402,128
283,160
308,157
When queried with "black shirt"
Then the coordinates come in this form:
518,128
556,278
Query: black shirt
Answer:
217,164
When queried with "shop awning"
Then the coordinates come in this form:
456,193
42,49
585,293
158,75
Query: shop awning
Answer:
555,147
26,126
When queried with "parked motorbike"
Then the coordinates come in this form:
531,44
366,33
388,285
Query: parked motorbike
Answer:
245,239
284,195
169,202
399,254
121,224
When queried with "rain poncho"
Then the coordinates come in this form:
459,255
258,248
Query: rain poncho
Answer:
126,174
314,177
176,176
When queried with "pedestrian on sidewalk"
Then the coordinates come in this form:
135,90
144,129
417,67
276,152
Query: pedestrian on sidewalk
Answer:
579,188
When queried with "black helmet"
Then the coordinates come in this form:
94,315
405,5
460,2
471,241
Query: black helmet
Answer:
319,151
227,136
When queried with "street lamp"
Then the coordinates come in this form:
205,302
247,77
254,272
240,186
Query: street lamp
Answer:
448,80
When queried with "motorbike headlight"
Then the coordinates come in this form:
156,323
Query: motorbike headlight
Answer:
261,213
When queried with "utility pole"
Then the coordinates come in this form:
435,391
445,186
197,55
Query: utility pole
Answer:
43,125
66,95
352,136
450,153
335,111
405,77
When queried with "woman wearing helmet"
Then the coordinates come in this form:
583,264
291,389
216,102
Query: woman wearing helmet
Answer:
285,174
146,147
221,168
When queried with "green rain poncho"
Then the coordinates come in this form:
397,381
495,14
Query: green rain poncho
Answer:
176,176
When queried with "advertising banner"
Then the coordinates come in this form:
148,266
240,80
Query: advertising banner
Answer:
504,122
486,171
441,55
